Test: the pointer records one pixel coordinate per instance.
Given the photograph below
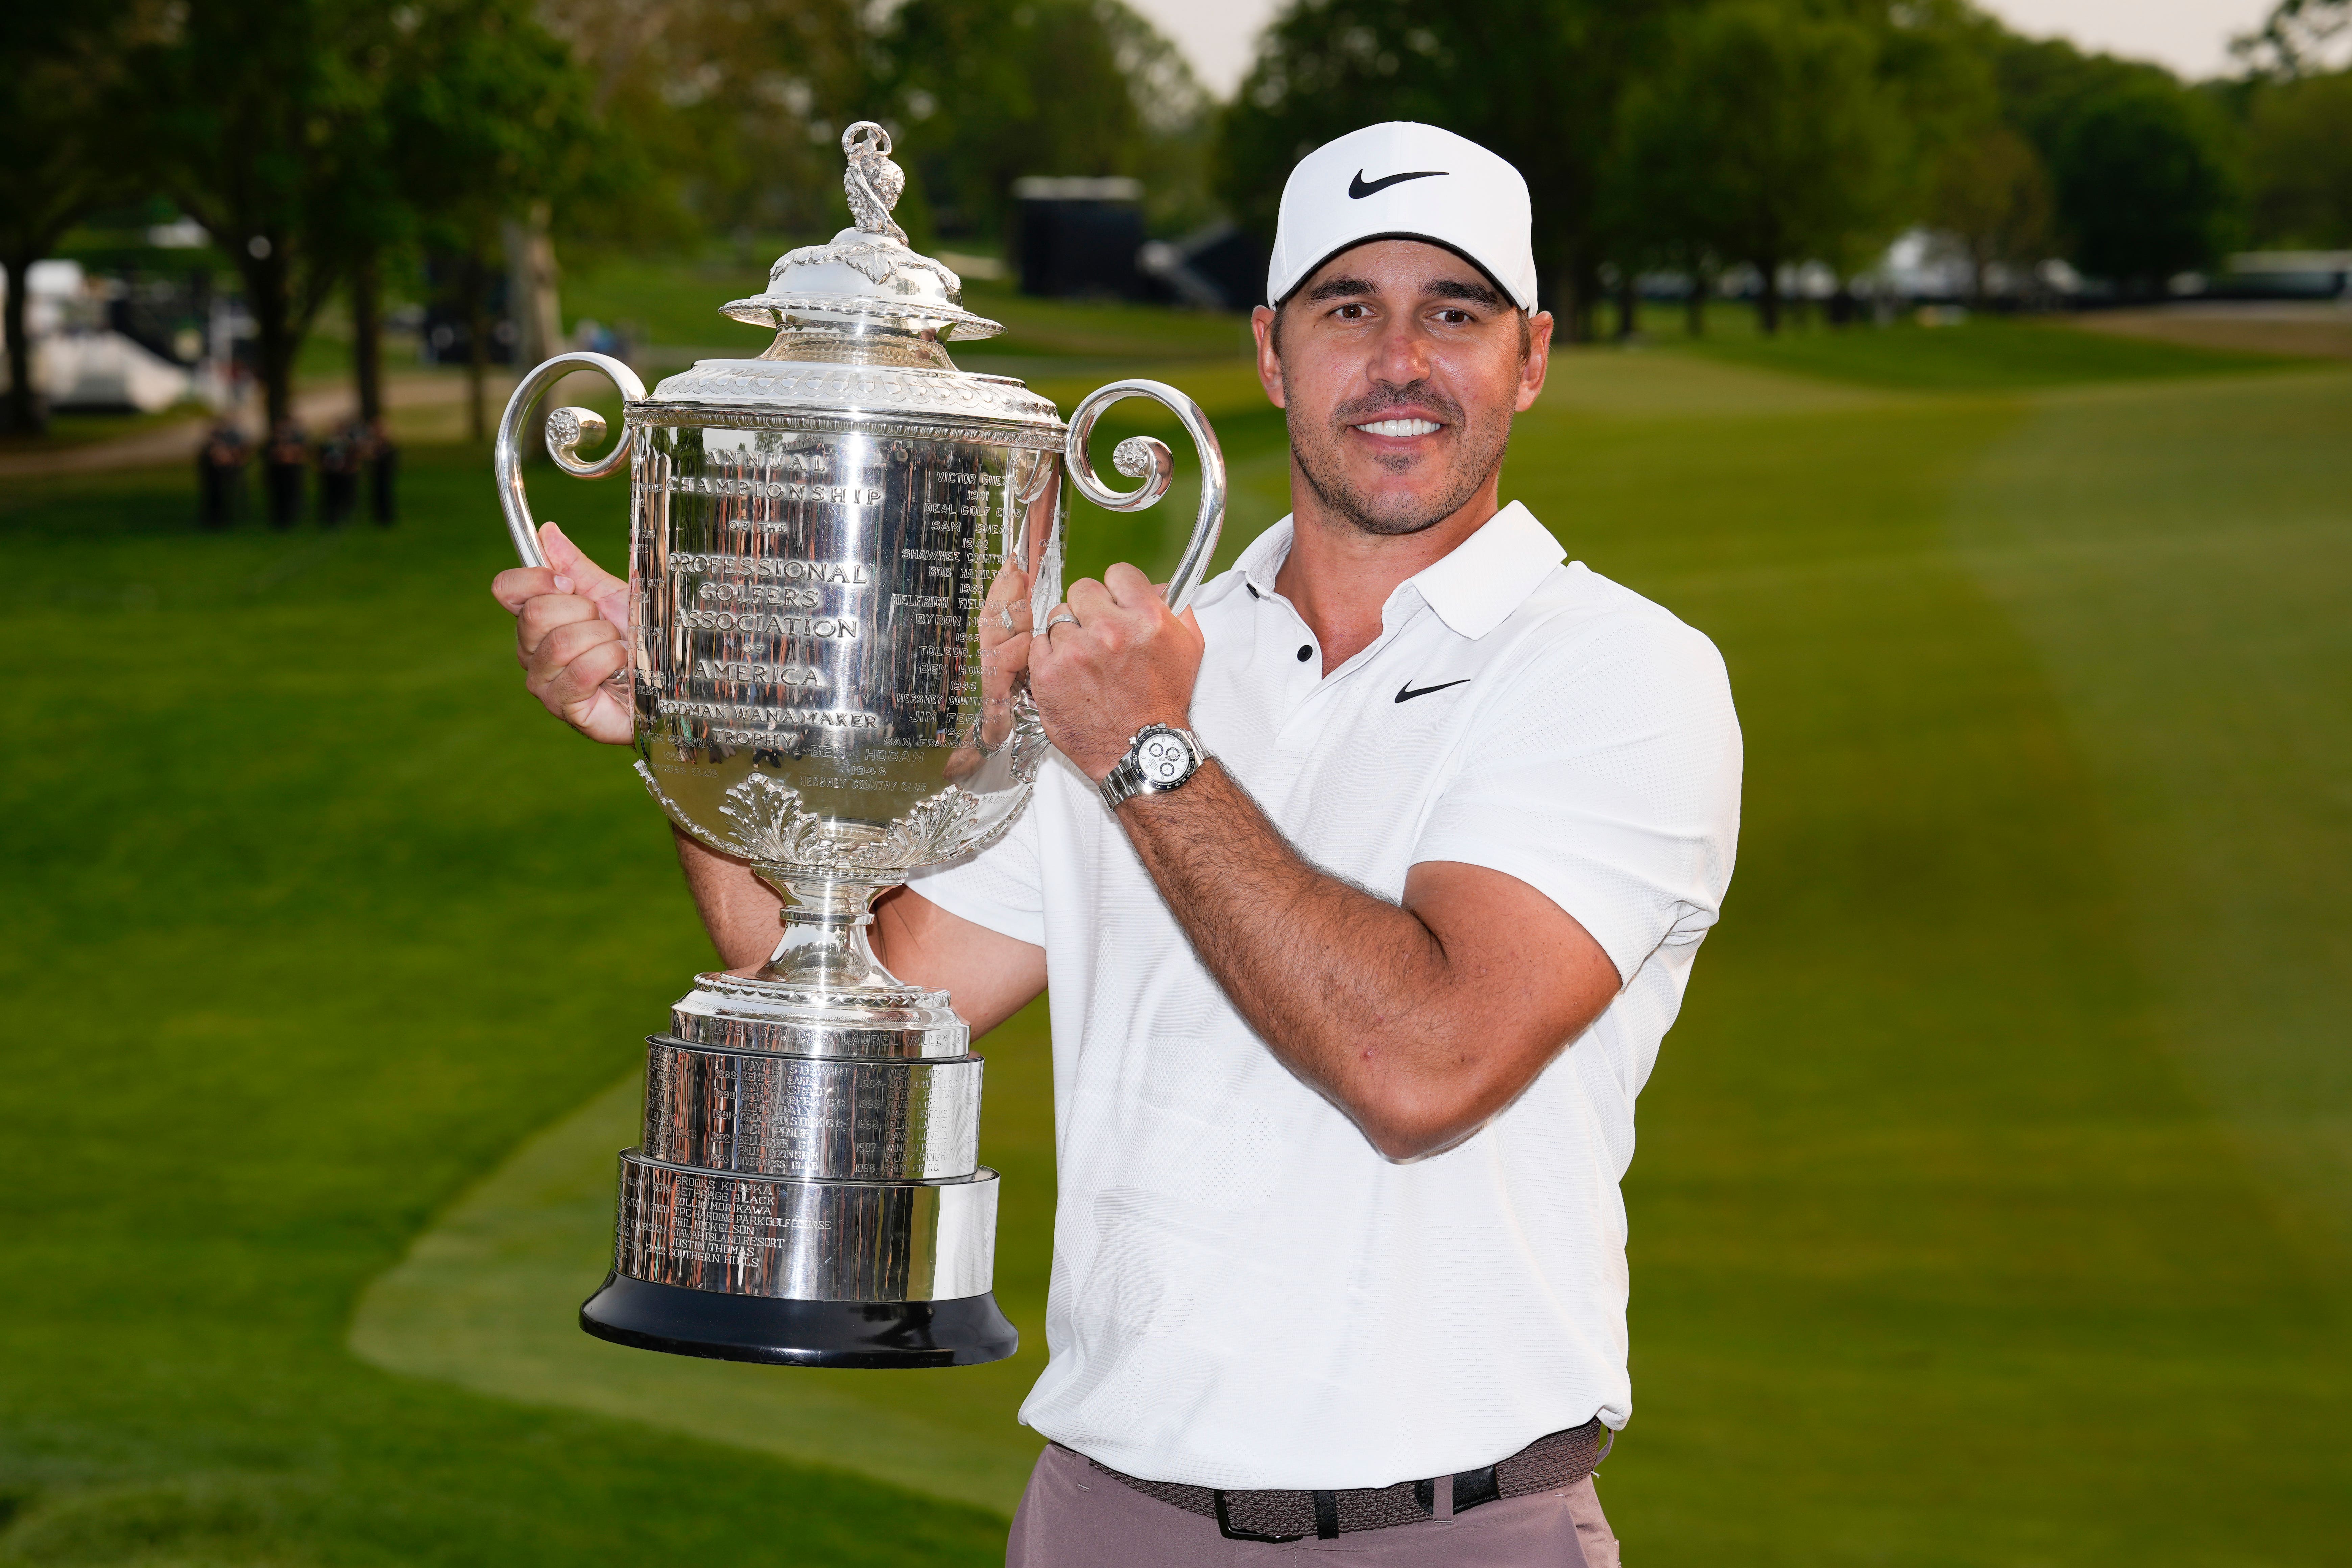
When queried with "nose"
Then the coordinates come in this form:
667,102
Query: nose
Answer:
1401,353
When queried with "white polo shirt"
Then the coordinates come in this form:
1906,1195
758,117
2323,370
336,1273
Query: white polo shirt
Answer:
1244,1292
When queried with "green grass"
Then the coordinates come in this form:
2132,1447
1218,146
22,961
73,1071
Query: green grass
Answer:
1984,353
1990,1203
67,430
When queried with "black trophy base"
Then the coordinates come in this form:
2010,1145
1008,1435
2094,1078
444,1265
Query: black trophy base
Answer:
965,1331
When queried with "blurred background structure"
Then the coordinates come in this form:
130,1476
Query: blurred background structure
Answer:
1984,395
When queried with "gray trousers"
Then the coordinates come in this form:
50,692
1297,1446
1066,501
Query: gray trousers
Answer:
1074,1516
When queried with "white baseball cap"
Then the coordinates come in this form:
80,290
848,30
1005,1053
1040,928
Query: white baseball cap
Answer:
1404,181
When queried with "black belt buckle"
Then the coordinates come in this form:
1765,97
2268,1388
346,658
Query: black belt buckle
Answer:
1472,1488
1226,1525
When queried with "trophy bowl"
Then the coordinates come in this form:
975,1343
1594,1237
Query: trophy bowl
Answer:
838,551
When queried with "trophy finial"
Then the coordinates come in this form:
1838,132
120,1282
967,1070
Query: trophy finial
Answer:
874,183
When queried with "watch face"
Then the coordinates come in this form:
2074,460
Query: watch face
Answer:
1164,759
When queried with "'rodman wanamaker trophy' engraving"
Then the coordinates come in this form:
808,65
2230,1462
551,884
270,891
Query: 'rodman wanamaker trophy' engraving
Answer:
834,549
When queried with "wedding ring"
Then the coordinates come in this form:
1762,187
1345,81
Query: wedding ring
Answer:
1005,614
1061,619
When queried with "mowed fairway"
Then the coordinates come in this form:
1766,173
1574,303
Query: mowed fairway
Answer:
1994,1203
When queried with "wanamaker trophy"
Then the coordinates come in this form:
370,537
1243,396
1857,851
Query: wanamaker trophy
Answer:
829,545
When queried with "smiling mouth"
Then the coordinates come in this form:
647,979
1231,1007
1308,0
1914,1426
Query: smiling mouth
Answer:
1400,427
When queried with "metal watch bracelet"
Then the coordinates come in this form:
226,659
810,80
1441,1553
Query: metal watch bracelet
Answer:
1159,758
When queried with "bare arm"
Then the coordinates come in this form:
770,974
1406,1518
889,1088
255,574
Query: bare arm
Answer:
988,977
1419,1019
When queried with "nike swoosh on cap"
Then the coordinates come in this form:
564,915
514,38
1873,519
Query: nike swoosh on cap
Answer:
1359,187
1405,693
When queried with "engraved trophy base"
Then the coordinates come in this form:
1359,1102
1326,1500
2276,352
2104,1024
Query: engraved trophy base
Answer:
809,1191
875,1335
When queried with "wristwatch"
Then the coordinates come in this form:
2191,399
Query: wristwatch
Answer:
1159,758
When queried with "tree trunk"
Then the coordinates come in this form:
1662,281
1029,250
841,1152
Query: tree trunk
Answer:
367,338
1695,303
1629,305
1767,308
532,300
28,413
532,283
475,279
273,328
1563,306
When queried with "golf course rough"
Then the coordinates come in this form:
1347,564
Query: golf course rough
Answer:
1990,1202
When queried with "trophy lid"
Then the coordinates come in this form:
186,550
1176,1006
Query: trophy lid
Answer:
867,273
859,323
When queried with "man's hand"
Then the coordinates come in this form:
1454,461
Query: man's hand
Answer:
572,621
1125,662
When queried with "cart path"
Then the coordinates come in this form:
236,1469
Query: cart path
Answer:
177,443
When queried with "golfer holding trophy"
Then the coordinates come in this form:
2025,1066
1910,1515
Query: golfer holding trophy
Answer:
1368,877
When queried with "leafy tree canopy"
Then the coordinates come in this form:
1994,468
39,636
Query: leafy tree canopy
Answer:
2146,184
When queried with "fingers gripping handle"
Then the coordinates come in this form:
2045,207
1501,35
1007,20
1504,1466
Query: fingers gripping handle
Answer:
566,428
1142,457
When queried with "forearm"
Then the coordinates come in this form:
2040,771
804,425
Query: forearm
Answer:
1356,995
737,909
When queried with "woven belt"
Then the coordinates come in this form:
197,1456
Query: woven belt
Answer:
1547,1463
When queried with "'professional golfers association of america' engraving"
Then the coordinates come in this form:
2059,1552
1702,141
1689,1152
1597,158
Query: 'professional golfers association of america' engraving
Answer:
827,542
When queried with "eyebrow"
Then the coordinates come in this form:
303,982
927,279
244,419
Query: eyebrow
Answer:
1442,288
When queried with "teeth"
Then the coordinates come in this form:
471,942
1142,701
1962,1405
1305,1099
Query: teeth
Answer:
1401,428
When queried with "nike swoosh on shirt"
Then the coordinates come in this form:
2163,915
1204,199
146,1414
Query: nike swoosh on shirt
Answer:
1405,693
1360,187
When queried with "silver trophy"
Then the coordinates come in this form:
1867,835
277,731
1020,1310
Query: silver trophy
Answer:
834,547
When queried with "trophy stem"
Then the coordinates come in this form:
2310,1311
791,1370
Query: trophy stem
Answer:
824,945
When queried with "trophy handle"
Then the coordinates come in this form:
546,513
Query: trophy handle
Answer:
566,428
1142,457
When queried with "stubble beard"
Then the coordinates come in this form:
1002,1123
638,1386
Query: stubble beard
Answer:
1477,453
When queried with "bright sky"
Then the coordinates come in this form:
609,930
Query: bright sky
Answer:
2192,37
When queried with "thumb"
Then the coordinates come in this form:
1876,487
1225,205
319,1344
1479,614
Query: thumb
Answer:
588,579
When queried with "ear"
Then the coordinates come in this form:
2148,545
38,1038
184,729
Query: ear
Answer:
1538,364
1269,363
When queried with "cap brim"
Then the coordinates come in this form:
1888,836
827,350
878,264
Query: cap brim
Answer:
1484,270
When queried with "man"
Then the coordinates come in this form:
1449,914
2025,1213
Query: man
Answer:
1412,833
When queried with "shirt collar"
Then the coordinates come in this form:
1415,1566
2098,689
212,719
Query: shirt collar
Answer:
1261,564
1472,589
1475,588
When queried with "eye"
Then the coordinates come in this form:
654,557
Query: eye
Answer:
1350,312
1454,318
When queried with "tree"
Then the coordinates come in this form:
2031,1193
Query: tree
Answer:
1773,139
261,121
2299,162
2144,184
739,104
487,114
1992,192
58,110
986,94
2294,39
1539,82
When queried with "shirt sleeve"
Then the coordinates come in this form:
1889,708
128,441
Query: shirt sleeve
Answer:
1606,775
1001,887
